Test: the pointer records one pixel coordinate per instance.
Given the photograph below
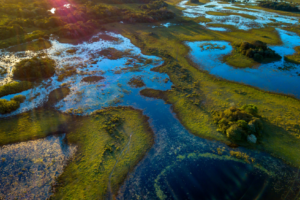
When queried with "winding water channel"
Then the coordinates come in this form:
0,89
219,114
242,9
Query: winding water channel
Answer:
179,165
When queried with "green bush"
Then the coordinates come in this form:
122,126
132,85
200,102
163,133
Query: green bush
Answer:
34,69
257,50
8,106
237,123
250,108
15,87
19,98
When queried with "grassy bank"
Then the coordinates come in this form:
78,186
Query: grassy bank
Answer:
196,94
295,58
31,125
103,153
110,143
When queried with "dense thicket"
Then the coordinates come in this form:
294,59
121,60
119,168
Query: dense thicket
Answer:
257,50
34,69
280,6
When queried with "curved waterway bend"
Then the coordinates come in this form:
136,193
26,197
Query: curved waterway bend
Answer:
175,148
268,77
183,166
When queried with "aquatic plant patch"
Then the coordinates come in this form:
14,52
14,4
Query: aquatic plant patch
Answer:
92,79
136,82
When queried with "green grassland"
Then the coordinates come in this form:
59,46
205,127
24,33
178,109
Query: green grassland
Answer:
197,94
102,153
107,148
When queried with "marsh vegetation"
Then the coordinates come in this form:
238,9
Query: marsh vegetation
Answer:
79,80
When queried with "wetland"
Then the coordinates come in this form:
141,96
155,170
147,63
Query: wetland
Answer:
149,99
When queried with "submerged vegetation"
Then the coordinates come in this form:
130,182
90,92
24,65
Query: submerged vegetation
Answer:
92,79
34,69
136,82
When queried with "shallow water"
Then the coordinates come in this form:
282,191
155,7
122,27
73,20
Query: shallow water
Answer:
263,18
267,76
180,165
28,169
89,96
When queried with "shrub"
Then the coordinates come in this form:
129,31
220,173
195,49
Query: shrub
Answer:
8,106
257,50
237,123
19,98
250,108
15,87
34,69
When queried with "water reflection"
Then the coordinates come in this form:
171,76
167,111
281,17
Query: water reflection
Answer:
28,169
267,76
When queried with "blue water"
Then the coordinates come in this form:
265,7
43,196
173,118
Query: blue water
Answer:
168,170
266,76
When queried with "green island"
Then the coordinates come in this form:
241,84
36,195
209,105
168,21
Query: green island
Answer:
110,143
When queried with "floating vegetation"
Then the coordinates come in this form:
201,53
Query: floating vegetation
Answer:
114,54
57,95
70,71
92,79
242,156
211,46
72,51
104,37
136,82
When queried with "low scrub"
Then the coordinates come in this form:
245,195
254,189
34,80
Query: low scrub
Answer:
8,106
19,98
34,69
15,87
240,124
